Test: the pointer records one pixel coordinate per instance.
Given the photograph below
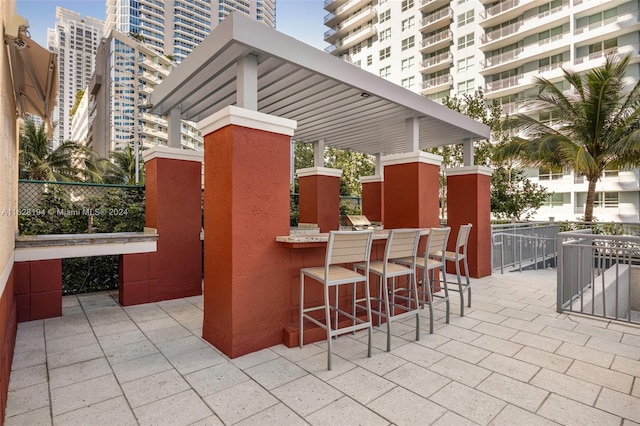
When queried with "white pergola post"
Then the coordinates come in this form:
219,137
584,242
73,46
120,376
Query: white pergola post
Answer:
378,163
467,152
175,130
247,83
318,153
412,141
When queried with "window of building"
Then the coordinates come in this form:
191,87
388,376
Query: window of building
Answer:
407,63
607,200
466,87
406,5
466,18
386,71
545,173
385,53
462,1
603,46
549,117
369,59
597,19
384,16
408,43
466,64
358,64
385,34
439,95
408,82
356,49
466,41
408,23
555,200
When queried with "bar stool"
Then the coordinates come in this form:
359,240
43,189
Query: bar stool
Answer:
436,242
342,247
457,256
401,243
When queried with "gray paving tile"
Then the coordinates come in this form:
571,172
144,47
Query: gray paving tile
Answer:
380,363
153,388
296,354
566,386
626,365
464,351
216,378
592,356
130,351
74,373
512,415
361,385
406,408
620,404
602,333
518,313
418,354
29,344
39,417
182,345
486,316
114,328
345,411
180,409
114,411
539,342
307,394
564,335
544,359
616,348
275,373
452,419
140,367
29,359
256,358
23,400
276,415
468,402
84,394
457,333
417,379
494,344
74,355
111,341
167,334
601,376
568,412
513,368
26,377
513,391
460,371
197,360
317,365
518,324
157,324
631,339
240,401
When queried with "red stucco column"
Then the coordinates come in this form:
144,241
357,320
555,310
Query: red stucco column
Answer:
469,201
174,208
247,273
373,198
319,189
411,190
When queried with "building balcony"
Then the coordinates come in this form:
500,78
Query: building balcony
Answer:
436,84
351,40
439,19
332,5
505,83
506,10
343,28
431,5
332,19
436,41
436,63
593,60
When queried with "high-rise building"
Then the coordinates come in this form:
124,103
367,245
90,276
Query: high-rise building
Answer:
176,27
76,41
444,48
126,72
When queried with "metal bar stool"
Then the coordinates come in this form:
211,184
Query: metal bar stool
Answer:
436,241
457,256
342,247
401,243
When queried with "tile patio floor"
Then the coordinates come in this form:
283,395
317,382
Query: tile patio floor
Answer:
511,361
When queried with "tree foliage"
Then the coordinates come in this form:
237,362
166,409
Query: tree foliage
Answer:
597,124
513,196
76,102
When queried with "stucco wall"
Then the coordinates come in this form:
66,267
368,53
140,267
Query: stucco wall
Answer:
8,155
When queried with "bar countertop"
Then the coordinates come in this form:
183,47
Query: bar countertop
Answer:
307,240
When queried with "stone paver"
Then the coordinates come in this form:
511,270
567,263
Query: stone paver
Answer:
511,360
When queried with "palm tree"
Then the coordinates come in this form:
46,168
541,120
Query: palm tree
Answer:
68,162
598,125
125,162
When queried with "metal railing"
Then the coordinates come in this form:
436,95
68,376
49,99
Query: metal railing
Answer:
597,275
523,245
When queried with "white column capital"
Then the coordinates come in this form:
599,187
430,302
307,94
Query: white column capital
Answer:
411,157
160,151
247,118
469,170
319,171
371,179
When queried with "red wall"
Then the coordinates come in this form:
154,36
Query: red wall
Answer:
320,201
373,201
38,289
411,196
8,327
469,201
247,273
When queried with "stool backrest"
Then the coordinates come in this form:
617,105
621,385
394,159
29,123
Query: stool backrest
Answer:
348,247
463,237
437,241
402,243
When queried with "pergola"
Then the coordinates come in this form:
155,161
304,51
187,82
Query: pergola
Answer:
245,63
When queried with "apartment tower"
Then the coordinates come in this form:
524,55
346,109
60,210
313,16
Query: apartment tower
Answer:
442,48
76,42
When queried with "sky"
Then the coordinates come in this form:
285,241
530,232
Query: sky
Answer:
301,19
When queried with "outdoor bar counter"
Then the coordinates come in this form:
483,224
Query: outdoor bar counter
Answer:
308,249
